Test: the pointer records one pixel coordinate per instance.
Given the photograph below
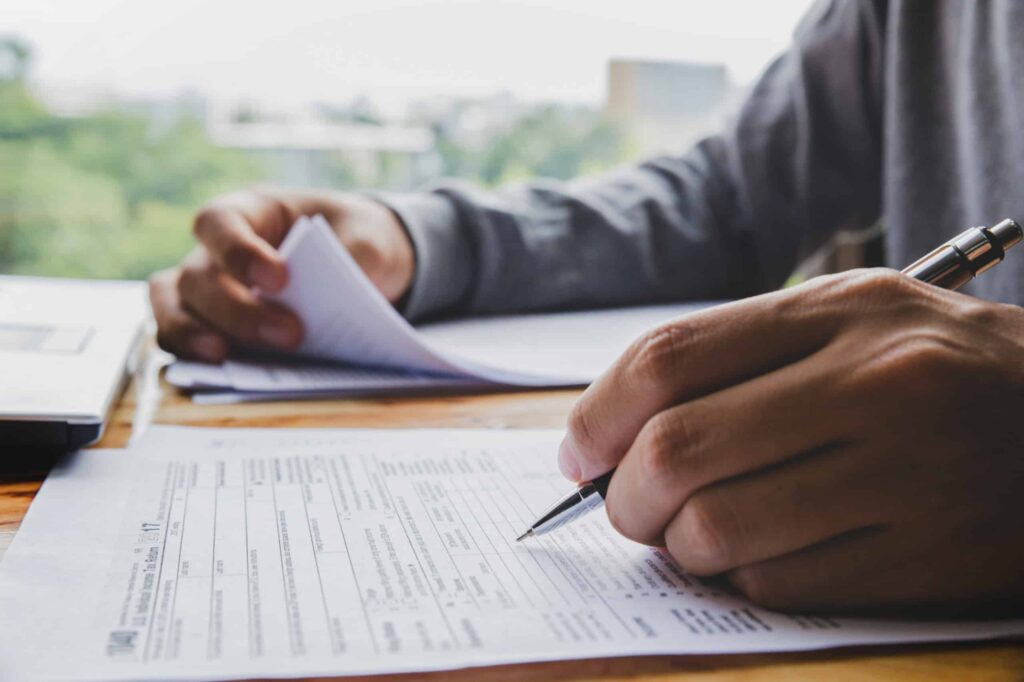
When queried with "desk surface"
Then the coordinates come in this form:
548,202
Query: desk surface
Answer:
548,409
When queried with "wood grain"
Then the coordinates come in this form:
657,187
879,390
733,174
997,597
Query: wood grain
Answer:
989,662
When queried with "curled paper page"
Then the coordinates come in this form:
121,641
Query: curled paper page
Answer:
348,320
356,343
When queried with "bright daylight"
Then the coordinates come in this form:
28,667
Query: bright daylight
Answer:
583,340
124,117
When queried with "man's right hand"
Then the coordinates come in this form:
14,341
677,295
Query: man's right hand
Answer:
207,303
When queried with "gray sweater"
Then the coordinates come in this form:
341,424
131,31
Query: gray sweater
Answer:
910,112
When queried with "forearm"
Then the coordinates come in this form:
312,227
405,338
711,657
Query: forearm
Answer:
730,218
655,232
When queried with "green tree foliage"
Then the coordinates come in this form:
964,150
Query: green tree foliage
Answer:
112,194
550,142
105,195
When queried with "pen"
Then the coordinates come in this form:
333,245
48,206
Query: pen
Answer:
950,266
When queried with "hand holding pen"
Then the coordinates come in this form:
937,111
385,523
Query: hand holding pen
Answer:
827,445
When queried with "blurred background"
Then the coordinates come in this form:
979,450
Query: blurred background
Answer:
119,118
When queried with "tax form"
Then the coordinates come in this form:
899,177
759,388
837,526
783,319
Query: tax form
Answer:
217,553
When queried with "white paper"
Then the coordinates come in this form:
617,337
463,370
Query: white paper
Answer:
344,316
274,378
193,375
259,376
227,553
361,345
570,348
347,320
587,340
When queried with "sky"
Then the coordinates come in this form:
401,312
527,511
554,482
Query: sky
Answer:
391,50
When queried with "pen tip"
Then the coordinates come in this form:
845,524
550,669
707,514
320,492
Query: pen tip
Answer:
525,535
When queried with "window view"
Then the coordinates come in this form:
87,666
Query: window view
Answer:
118,119
402,337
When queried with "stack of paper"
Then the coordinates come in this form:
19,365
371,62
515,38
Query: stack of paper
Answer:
229,553
369,348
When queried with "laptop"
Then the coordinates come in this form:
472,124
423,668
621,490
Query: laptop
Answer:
65,349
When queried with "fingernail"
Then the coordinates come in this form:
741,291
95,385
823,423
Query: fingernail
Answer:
209,347
568,463
266,276
282,335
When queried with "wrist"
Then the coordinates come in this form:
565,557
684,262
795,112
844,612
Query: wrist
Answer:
400,259
443,257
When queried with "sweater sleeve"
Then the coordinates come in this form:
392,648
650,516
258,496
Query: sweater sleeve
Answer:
732,217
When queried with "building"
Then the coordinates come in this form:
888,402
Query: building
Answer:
667,106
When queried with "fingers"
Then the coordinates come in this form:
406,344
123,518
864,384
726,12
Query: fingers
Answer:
227,305
739,430
890,568
684,359
178,331
240,232
850,571
777,511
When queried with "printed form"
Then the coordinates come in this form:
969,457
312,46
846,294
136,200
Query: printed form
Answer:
229,553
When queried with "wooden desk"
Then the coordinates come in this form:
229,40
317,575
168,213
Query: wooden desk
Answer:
974,662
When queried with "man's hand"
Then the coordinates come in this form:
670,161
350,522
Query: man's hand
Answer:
853,443
207,303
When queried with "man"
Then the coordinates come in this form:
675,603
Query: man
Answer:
851,443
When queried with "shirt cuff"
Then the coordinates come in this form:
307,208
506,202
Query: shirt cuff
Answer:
443,255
